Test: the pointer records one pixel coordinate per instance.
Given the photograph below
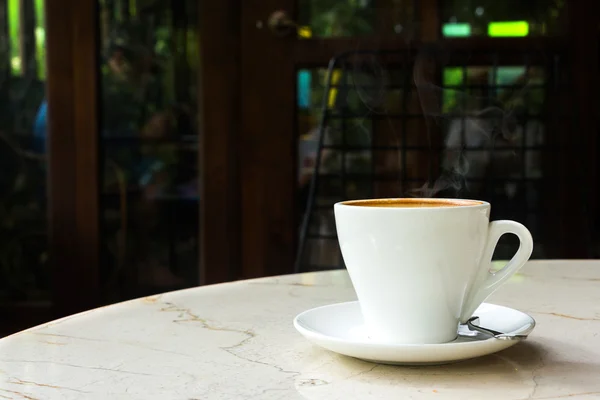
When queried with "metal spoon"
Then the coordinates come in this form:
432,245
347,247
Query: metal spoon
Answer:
498,335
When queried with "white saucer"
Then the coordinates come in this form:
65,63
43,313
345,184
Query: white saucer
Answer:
340,328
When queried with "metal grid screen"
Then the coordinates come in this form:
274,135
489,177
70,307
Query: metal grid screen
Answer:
432,124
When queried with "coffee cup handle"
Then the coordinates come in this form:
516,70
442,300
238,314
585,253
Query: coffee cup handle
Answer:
487,282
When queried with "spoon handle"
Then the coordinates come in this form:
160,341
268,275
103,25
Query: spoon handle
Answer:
498,335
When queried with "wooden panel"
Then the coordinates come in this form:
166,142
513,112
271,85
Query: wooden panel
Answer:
73,163
430,17
558,122
219,85
579,178
87,177
428,162
268,145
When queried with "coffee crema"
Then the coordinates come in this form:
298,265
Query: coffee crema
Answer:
412,203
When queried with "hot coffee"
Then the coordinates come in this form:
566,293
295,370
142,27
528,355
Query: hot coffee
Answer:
412,203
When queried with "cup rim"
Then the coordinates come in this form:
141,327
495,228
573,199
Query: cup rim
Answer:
465,203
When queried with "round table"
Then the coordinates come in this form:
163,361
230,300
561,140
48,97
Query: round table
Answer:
236,341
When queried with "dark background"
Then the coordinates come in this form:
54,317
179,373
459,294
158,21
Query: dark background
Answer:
179,139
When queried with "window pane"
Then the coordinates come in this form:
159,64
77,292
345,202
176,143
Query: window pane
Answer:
322,18
343,18
149,139
24,274
494,132
364,116
480,131
506,18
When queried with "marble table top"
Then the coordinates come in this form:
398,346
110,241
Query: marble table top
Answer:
236,341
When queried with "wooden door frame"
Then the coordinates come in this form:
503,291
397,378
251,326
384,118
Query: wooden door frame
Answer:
267,175
73,154
268,135
267,143
73,148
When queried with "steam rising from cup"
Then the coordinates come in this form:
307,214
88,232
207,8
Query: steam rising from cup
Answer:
473,130
477,131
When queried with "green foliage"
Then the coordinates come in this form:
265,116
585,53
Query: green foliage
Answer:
330,18
14,29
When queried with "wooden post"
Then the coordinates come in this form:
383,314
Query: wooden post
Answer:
73,173
430,20
219,117
268,140
580,180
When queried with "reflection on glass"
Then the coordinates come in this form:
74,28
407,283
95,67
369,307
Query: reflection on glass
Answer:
507,18
343,18
333,18
14,25
24,274
149,137
486,143
40,38
357,105
494,138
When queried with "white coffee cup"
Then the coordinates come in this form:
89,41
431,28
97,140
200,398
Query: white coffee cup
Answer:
422,266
